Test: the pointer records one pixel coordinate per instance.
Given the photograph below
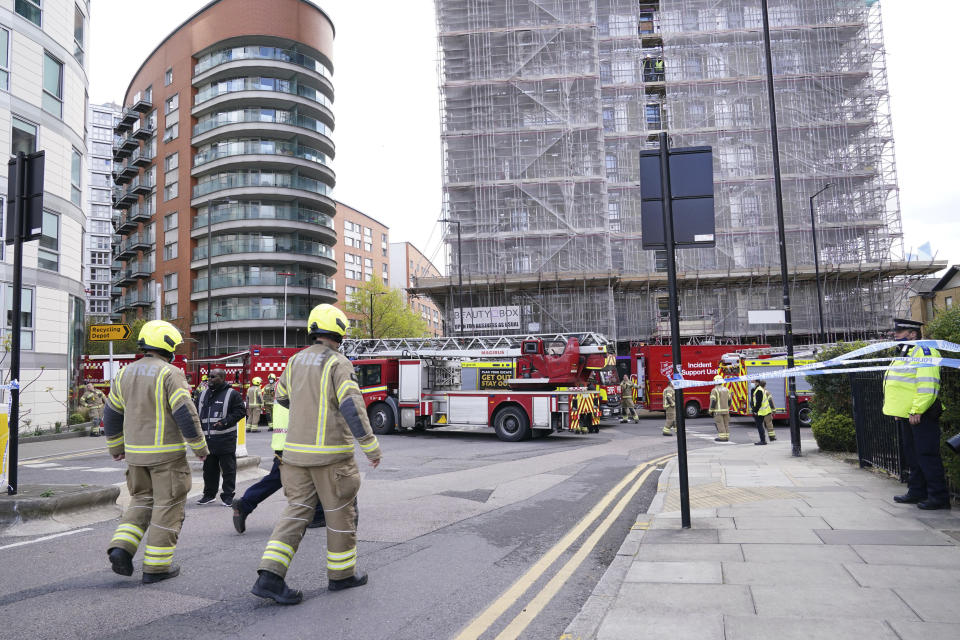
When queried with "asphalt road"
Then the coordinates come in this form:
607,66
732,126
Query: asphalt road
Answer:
463,536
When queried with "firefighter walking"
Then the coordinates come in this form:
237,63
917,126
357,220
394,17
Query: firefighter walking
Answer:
94,401
150,421
670,408
720,409
254,405
627,407
327,418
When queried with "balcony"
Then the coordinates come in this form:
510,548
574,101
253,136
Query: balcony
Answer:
123,198
141,214
139,242
142,102
124,224
127,119
143,132
141,158
135,299
124,252
141,187
125,173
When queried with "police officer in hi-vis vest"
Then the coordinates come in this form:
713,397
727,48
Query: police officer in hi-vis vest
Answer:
912,397
328,417
150,420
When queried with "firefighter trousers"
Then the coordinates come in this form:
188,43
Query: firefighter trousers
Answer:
670,425
336,486
768,425
627,410
157,497
253,418
722,421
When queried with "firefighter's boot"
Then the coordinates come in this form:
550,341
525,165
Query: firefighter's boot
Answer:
121,561
348,583
172,572
270,585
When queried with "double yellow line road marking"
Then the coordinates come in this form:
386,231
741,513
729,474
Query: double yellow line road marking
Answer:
482,623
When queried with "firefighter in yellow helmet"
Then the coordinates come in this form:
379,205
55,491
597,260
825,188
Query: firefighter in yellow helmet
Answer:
670,410
720,409
150,421
269,394
254,404
327,419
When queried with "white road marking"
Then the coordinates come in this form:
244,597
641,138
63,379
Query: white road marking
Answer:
50,537
105,469
39,465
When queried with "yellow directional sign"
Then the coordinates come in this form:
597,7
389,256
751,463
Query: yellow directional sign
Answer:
103,332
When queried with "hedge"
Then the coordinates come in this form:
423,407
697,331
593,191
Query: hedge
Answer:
832,404
946,326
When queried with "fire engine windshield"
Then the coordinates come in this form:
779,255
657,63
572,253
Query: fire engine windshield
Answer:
368,375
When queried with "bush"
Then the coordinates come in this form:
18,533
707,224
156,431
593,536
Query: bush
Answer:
946,326
76,418
834,431
832,393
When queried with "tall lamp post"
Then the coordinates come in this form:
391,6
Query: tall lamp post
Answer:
372,294
459,272
816,260
781,236
286,277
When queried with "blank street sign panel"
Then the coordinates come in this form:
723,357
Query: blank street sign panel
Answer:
691,184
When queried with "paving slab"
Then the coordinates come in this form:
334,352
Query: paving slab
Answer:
684,599
925,630
763,508
695,523
873,536
787,573
676,572
681,536
780,522
899,576
765,627
909,555
933,605
772,536
819,601
685,552
800,553
865,518
622,624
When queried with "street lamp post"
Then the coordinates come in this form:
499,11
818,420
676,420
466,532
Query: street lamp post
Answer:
459,271
816,260
286,276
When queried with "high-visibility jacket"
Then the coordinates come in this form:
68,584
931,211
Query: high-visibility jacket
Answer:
148,393
719,400
911,391
626,391
93,399
761,401
327,411
767,407
281,419
669,398
254,397
269,392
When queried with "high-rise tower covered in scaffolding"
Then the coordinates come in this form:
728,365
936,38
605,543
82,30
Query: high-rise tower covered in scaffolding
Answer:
546,105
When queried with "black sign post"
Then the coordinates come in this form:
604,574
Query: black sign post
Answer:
24,223
680,179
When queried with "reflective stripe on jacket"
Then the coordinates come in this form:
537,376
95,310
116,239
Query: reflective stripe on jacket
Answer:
254,397
214,407
327,411
719,400
669,398
911,391
147,393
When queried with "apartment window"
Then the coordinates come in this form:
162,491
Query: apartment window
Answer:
170,311
52,98
99,259
171,162
26,315
171,221
172,103
99,242
368,263
100,275
99,195
48,254
102,149
100,226
102,134
99,290
170,282
4,59
99,307
78,24
29,9
350,290
171,191
171,132
948,302
168,78
24,136
170,250
368,246
76,168
367,232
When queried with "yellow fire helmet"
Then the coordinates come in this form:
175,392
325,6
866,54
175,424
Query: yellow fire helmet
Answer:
326,319
159,335
256,382
271,377
203,377
718,379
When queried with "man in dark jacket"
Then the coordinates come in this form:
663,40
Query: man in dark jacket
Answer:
221,408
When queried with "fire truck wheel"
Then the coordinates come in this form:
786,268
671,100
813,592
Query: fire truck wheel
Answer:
803,415
381,417
691,409
511,424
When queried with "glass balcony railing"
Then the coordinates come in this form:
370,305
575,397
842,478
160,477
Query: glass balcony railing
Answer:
252,309
259,278
275,116
242,243
233,85
233,211
227,148
230,180
223,56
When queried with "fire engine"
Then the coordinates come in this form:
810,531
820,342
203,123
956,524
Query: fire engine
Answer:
96,369
761,360
519,385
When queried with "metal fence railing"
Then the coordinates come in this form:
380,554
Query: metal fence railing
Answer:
878,438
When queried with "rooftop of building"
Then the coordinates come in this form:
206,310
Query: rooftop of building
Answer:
365,215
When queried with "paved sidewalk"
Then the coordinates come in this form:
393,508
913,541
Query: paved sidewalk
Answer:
780,547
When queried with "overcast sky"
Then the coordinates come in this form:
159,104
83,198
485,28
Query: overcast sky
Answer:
387,110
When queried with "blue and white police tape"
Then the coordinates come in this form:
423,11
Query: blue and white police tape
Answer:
904,363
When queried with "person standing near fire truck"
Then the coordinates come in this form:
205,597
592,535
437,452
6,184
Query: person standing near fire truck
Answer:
670,408
254,405
269,394
720,409
760,407
93,401
627,385
327,418
767,412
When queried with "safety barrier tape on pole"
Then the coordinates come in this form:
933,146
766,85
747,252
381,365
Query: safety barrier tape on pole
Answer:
827,367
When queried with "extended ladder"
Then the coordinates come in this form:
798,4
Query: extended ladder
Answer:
470,346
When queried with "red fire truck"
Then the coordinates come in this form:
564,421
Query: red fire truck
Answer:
518,385
762,360
96,369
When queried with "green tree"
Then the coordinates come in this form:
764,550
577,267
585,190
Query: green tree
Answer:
391,318
101,348
946,326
